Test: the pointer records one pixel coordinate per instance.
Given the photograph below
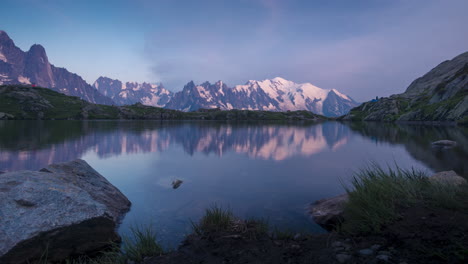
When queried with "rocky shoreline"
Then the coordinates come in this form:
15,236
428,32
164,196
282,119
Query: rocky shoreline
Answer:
70,210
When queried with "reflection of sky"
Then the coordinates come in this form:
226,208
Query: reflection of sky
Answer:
277,190
269,171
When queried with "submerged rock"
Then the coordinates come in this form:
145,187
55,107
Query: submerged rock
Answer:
329,212
66,209
447,177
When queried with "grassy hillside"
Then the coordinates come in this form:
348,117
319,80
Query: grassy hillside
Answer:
24,102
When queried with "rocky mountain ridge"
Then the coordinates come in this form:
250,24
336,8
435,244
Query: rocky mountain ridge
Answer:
133,92
276,94
33,67
441,95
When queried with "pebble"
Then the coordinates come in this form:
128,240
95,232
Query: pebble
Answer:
297,236
384,253
342,258
366,252
337,244
338,248
383,257
376,247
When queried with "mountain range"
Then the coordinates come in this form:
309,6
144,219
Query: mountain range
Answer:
32,67
276,94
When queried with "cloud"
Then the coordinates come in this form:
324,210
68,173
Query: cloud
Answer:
381,55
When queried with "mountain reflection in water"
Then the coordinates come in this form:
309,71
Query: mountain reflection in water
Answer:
32,145
263,169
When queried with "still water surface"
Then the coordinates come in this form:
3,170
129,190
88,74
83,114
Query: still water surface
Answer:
263,170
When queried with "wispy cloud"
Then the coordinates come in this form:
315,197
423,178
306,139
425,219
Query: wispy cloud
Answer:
388,48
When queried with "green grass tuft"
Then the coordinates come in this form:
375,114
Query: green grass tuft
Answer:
377,196
142,244
215,219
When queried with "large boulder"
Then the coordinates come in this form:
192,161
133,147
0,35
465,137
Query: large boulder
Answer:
64,210
447,177
329,212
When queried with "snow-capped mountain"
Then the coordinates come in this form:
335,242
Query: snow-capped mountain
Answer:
133,92
33,67
276,94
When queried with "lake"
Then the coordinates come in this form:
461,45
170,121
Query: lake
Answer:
263,170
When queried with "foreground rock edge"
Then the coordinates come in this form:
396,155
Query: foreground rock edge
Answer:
65,209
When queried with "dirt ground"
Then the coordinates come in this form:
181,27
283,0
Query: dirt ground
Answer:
421,235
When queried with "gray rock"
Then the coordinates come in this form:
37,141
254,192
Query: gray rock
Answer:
297,236
447,177
376,247
6,116
384,253
385,258
70,210
343,258
366,252
444,143
329,212
337,244
338,249
295,246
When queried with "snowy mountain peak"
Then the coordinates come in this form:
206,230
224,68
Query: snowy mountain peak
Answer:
133,92
340,94
277,94
280,80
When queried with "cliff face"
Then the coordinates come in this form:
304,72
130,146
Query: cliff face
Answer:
33,67
439,95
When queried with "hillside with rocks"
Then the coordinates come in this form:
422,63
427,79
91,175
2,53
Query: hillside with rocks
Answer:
441,95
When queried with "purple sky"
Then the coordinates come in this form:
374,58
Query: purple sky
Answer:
362,48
